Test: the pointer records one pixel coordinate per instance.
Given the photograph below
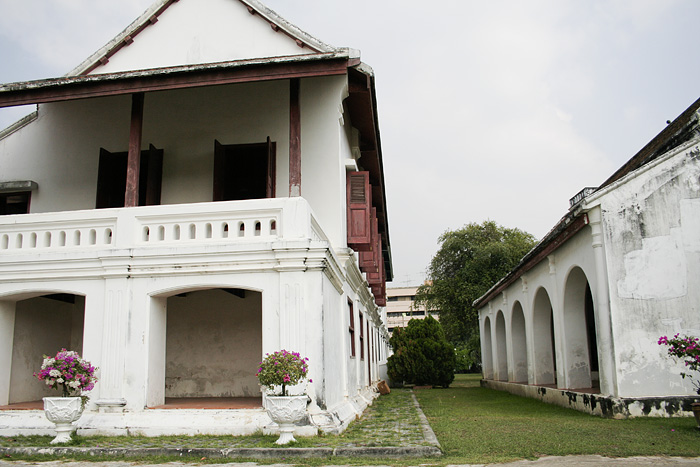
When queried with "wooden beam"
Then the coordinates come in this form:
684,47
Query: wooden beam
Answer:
131,196
294,138
82,87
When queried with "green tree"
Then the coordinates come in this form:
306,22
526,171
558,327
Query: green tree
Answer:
468,263
422,355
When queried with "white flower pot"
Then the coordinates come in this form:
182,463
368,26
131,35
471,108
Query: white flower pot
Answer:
63,411
286,411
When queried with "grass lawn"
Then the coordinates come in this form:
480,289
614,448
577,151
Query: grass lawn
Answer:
477,425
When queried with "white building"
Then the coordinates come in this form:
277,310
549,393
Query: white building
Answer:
194,195
401,307
578,320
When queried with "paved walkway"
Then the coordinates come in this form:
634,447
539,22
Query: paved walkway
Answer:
568,461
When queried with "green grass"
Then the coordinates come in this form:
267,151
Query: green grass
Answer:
474,426
477,425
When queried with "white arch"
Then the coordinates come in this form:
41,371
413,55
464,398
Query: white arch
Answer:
501,361
544,364
577,365
519,344
486,350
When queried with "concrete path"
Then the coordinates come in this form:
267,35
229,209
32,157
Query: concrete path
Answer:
568,461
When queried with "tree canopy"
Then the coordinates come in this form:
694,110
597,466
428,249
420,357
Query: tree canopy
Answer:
468,263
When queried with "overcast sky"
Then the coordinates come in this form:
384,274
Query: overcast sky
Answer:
499,109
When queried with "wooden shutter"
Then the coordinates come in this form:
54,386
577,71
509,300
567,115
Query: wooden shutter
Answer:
151,175
359,204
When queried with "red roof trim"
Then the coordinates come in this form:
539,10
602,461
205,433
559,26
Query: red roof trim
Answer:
128,39
81,87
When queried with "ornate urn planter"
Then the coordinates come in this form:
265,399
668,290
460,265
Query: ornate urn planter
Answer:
286,411
63,411
696,411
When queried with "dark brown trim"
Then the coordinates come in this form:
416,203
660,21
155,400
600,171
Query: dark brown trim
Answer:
128,39
294,138
133,165
533,258
82,87
671,136
276,27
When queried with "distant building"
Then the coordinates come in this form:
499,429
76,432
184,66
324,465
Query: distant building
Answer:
401,307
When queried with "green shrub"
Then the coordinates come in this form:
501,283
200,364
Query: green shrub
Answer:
422,354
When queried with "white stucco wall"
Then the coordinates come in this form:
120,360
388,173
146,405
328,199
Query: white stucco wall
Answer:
640,254
213,344
202,31
42,327
324,149
60,150
653,256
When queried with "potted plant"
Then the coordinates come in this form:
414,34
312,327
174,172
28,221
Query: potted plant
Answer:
280,370
687,350
68,373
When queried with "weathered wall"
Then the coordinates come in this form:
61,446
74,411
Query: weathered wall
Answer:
652,235
42,327
213,345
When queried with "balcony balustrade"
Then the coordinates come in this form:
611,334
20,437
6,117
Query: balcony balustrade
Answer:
182,225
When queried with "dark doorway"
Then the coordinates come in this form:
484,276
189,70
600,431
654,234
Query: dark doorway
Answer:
111,178
244,171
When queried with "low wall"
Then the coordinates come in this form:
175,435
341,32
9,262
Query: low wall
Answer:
599,404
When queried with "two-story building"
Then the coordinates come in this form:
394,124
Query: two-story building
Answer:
205,189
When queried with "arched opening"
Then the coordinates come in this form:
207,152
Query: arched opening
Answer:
34,327
544,366
519,343
501,349
581,353
486,352
213,344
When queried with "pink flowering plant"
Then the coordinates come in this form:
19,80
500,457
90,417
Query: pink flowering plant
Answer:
282,368
687,350
68,373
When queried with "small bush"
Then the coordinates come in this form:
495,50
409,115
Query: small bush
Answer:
422,354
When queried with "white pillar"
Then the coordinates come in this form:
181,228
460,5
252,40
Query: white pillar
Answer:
7,331
113,343
606,357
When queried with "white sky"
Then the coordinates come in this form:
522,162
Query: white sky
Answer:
499,109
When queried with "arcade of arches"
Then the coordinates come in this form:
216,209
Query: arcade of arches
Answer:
538,343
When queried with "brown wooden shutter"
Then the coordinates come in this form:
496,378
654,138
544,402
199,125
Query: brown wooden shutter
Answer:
359,202
154,176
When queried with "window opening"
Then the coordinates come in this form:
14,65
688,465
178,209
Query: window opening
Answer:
244,171
111,178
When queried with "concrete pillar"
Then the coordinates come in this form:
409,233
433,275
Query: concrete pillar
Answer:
7,331
113,342
606,351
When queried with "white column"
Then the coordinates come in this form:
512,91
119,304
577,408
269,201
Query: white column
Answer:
604,334
113,343
557,317
7,331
